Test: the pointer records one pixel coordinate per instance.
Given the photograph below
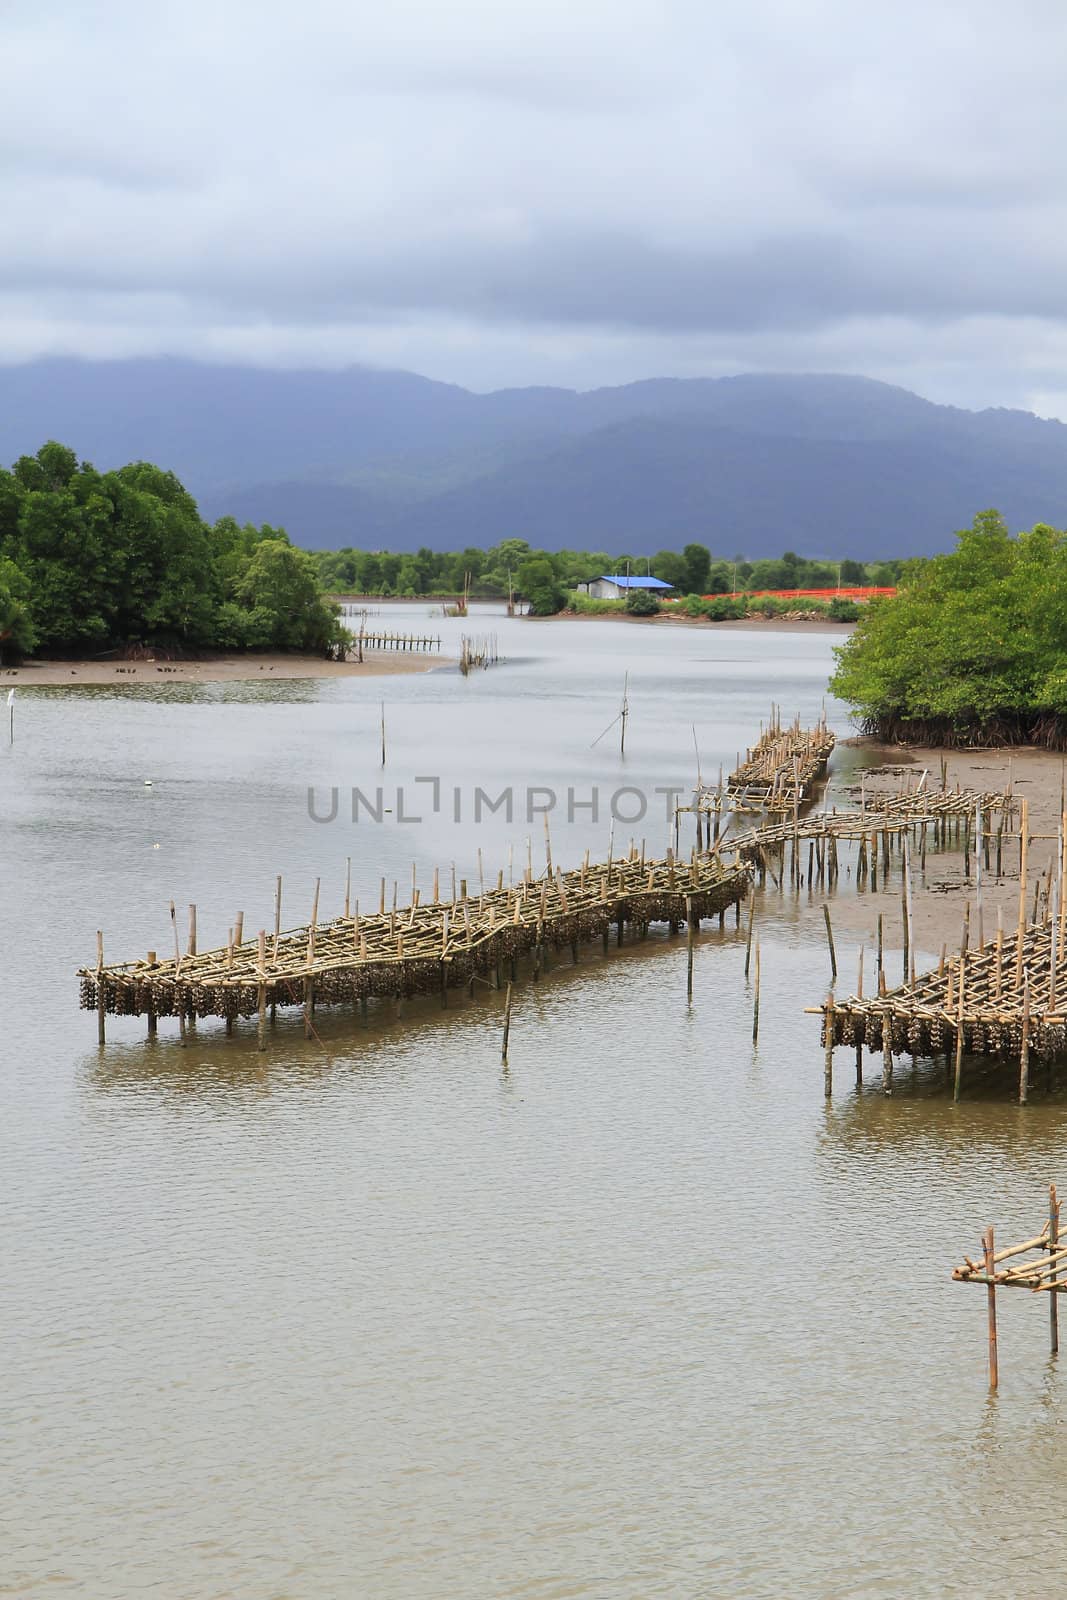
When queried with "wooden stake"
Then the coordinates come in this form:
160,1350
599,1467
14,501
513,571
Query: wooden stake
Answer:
192,930
755,1001
959,1034
828,1069
383,733
261,1030
991,1304
690,936
152,1021
507,1025
751,920
100,1030
830,941
1024,1051
1053,1245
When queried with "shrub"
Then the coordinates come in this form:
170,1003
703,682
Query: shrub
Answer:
722,609
641,603
843,610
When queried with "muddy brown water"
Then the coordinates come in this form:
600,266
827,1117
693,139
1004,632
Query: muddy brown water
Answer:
368,1316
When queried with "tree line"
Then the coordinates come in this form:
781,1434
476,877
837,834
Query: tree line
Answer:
549,575
974,647
93,561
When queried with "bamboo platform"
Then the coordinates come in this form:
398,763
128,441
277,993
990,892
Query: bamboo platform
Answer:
777,774
421,948
1038,1264
1004,998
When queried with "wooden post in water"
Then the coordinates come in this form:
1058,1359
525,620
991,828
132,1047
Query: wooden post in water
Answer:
507,1026
383,733
1053,1245
689,938
1024,1049
830,941
751,920
755,1001
828,1025
887,1052
177,970
100,1030
959,1033
192,930
624,714
991,1305
152,1021
261,1030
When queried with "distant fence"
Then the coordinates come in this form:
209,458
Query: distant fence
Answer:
858,593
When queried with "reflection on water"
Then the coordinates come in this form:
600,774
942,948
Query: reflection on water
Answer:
366,1315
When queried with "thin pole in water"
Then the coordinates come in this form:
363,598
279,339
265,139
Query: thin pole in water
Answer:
507,1026
991,1305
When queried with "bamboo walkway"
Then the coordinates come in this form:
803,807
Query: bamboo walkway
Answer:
421,948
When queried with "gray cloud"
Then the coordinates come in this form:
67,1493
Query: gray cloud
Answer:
544,193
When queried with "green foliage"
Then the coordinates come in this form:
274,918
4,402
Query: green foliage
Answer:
99,561
642,603
973,647
17,633
585,606
536,581
697,559
842,610
722,609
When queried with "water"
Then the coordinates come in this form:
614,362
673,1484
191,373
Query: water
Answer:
367,1316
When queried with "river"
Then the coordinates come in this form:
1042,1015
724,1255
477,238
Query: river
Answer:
369,1316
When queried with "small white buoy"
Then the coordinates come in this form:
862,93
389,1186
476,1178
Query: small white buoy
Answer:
148,783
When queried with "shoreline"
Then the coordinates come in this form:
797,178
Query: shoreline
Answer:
50,674
668,619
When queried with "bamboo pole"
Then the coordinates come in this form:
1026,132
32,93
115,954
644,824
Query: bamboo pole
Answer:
751,920
959,1034
1024,1050
755,1000
100,1013
1024,830
689,939
152,1020
261,1030
991,1305
830,941
507,1026
828,1066
1053,1245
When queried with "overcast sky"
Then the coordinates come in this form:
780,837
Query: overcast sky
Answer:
544,191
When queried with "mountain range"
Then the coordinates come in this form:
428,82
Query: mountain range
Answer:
830,466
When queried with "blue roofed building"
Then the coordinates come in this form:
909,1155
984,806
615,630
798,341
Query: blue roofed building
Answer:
614,587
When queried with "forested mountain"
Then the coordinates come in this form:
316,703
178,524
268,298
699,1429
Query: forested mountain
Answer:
834,466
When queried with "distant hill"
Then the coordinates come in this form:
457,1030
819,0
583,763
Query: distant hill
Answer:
830,466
